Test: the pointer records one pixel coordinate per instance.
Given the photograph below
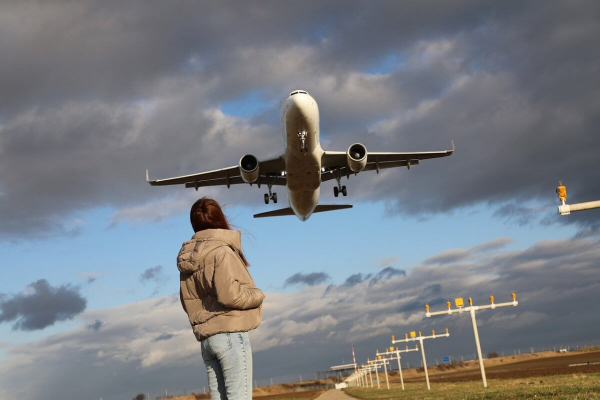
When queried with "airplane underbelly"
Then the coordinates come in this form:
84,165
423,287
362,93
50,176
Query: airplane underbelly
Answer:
303,176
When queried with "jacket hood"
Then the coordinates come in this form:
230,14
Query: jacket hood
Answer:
194,252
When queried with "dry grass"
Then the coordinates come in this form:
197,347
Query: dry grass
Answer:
581,387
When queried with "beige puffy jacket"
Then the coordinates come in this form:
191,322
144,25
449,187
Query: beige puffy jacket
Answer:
216,289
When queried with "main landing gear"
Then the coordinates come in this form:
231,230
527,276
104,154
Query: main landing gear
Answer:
270,196
339,188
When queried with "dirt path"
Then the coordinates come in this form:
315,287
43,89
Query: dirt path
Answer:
334,394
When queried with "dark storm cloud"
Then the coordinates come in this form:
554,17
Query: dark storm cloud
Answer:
435,288
95,326
151,274
164,336
309,279
355,279
93,96
386,274
41,305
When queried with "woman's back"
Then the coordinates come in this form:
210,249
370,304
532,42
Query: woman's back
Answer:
217,292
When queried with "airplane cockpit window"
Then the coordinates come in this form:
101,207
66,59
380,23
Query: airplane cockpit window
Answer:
297,91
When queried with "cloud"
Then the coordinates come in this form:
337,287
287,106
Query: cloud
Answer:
387,261
164,336
149,340
493,245
309,279
448,256
502,79
151,274
95,326
90,277
41,305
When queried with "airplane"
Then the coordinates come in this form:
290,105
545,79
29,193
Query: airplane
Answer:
303,166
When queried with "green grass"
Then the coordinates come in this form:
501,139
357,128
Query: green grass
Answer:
581,387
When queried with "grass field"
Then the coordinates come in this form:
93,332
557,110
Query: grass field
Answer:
582,387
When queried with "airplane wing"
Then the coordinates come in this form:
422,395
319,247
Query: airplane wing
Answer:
268,170
333,161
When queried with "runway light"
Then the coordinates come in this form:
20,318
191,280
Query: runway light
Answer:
459,302
420,333
413,334
448,305
393,338
446,330
427,307
391,348
470,301
492,299
433,332
406,347
514,296
561,191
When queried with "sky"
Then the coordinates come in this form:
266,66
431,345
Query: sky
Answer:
94,93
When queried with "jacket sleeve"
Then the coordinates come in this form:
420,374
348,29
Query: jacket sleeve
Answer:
230,292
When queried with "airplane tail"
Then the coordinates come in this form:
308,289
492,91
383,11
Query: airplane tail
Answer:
288,211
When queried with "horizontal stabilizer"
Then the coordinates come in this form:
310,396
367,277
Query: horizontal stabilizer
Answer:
331,207
275,213
288,211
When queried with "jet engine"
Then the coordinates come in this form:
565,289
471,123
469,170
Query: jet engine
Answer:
357,157
249,168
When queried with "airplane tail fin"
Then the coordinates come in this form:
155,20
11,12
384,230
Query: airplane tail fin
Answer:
288,211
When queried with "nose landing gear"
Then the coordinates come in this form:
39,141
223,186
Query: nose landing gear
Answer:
270,196
302,137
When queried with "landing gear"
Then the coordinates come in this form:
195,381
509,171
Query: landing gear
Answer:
270,196
302,137
339,188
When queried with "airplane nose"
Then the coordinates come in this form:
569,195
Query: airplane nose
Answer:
300,102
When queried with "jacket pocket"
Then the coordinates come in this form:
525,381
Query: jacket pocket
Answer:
220,343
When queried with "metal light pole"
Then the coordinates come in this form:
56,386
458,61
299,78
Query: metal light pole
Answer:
373,367
472,309
380,362
413,338
566,209
397,352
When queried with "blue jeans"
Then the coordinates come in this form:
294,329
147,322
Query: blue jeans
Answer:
228,360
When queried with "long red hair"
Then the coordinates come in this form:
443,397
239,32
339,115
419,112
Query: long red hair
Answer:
206,213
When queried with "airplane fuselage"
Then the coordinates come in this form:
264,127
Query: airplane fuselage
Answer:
303,152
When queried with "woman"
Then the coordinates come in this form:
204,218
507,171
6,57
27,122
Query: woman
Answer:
220,299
